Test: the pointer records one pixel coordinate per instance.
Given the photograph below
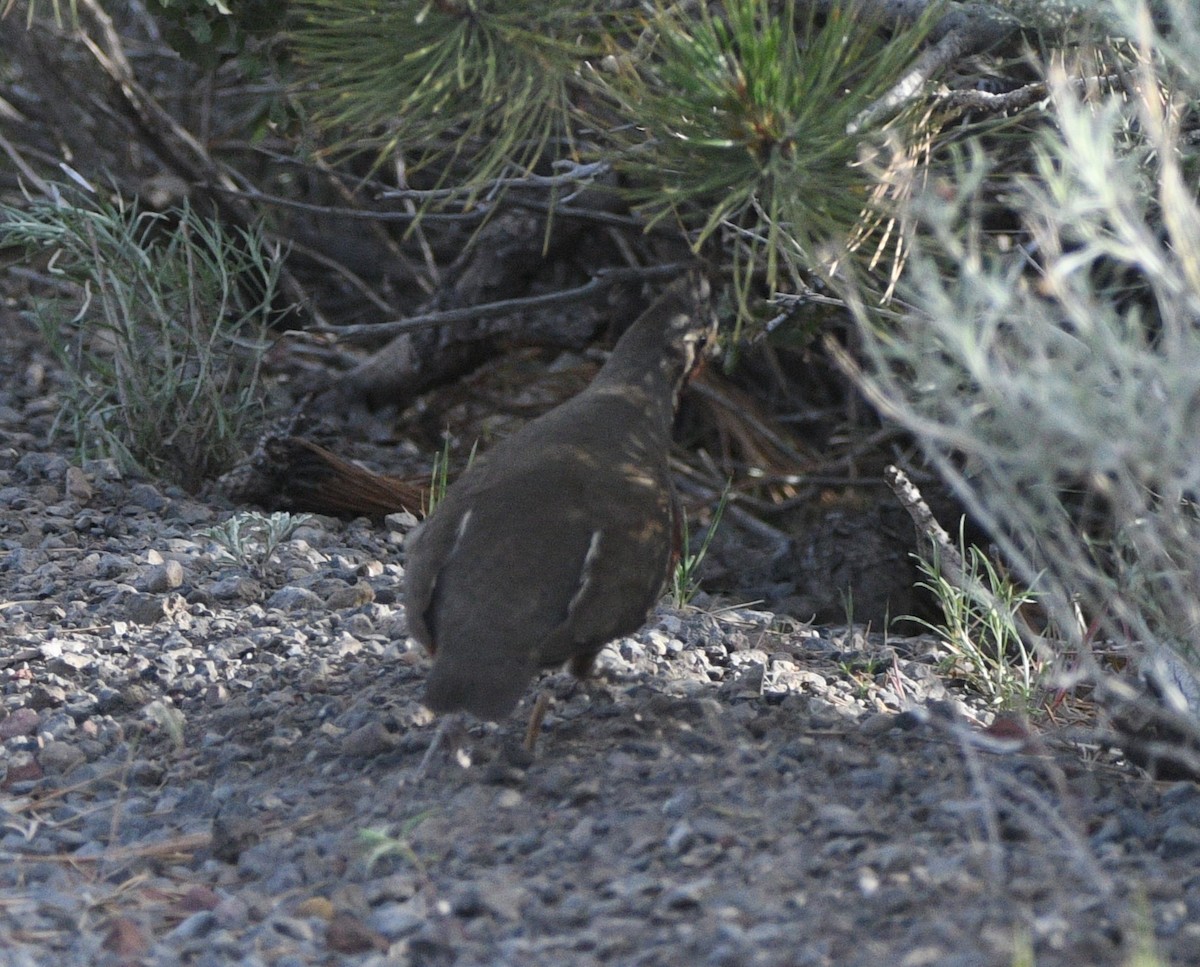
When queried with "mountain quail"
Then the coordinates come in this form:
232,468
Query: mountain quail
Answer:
559,539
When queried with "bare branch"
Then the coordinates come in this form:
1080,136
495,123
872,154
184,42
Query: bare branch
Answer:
602,280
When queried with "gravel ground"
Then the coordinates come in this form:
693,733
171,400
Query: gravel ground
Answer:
204,762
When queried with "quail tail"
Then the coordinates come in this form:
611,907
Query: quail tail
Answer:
488,693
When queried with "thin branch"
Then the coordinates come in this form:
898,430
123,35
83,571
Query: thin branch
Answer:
582,175
911,500
1017,100
573,174
953,567
340,211
338,268
448,317
15,156
477,214
969,29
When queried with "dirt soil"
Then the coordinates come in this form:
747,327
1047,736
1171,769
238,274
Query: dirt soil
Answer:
206,761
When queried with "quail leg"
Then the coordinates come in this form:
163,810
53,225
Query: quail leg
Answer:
534,728
450,723
580,667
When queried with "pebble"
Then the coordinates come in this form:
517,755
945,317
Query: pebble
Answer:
878,723
294,599
163,577
59,758
149,609
21,721
395,920
375,738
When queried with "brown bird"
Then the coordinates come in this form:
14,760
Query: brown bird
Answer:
559,539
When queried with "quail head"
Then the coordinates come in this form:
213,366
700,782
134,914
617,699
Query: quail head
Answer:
559,538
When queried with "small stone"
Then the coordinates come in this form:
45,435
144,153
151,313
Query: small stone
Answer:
679,804
686,896
369,569
236,587
359,625
163,577
374,738
199,924
403,521
1180,839
22,767
70,664
148,609
292,598
146,496
468,903
198,898
839,820
347,934
104,468
395,919
126,938
49,695
397,886
681,838
878,723
76,485
350,597
293,928
59,758
233,832
23,721
346,645
925,957
316,907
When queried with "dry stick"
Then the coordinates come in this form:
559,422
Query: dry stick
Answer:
949,438
477,214
1016,100
358,214
739,516
967,37
118,808
968,29
22,166
339,268
927,525
44,798
749,419
183,844
390,245
948,556
601,280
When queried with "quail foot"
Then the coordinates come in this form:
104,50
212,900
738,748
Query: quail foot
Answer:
558,539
